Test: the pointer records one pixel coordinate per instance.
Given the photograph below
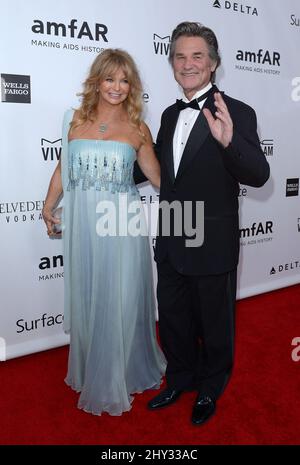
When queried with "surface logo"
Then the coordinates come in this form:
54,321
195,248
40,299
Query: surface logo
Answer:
295,21
15,88
39,323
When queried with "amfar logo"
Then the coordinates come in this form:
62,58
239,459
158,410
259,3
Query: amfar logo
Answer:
51,149
285,267
15,88
261,57
161,44
51,262
48,263
254,60
83,30
238,7
39,323
253,234
295,21
267,146
257,228
292,187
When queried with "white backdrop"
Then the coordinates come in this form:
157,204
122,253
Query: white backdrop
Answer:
42,66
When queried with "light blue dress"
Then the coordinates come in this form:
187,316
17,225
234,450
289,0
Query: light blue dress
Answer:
109,300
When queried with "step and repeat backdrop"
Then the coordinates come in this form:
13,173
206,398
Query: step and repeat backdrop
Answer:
46,49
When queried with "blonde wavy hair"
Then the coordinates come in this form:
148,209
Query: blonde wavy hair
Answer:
106,64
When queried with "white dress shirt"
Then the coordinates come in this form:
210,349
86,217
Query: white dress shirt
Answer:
185,122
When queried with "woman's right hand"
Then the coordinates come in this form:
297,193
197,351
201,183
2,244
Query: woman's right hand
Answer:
50,220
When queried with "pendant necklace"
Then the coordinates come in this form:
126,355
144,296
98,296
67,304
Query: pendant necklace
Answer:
102,127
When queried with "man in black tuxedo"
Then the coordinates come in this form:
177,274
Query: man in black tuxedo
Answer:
207,144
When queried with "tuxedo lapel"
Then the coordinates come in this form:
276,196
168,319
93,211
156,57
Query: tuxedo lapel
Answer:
169,157
198,134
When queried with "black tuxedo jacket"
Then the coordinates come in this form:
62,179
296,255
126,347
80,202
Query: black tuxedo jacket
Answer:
209,173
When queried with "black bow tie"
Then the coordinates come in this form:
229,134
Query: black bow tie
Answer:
194,103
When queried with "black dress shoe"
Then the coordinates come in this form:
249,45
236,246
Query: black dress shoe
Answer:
203,409
165,398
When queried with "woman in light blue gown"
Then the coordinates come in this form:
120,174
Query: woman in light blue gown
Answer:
109,300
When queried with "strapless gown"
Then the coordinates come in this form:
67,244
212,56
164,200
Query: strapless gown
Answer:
109,299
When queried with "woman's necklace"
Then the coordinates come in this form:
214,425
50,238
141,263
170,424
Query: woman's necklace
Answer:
102,127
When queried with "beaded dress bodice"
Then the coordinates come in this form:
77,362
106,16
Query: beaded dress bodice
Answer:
103,165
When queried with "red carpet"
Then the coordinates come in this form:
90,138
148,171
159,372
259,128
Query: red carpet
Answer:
259,406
